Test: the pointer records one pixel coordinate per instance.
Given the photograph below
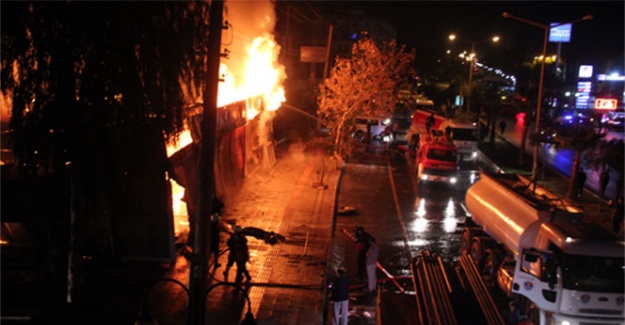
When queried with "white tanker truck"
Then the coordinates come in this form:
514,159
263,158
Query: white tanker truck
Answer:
537,246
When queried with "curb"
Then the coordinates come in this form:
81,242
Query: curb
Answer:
324,292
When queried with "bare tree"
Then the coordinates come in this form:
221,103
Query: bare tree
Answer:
364,84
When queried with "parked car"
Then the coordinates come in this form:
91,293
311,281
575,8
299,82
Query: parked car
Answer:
616,123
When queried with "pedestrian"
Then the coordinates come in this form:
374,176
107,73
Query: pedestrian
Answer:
215,241
362,245
580,182
231,257
502,126
448,130
372,262
483,131
340,296
604,179
618,216
429,122
239,255
395,129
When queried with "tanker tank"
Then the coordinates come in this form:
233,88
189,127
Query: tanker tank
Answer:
508,208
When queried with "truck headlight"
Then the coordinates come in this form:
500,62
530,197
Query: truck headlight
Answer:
453,180
474,154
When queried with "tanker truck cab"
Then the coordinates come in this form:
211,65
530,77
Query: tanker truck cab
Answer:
543,253
577,281
436,159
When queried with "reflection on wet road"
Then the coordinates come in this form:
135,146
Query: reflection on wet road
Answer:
428,218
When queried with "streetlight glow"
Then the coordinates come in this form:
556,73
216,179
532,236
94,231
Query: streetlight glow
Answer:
546,28
471,57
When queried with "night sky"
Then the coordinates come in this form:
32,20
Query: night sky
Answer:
425,25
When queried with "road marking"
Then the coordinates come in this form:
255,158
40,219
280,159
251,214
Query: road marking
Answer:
398,210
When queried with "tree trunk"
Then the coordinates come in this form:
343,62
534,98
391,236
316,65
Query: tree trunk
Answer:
576,160
337,140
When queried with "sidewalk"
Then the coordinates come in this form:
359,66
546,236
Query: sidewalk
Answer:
288,279
504,153
561,162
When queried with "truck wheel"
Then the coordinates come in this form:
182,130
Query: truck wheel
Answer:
492,262
476,254
465,241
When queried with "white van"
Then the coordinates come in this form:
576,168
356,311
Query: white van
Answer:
377,124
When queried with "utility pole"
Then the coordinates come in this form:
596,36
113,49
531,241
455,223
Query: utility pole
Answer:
199,260
539,100
471,63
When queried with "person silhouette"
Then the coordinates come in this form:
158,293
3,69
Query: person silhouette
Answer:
502,126
429,122
604,179
340,296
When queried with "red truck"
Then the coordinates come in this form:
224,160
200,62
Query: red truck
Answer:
463,134
436,159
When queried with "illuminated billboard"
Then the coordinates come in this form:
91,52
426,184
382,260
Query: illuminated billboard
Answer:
605,103
560,34
585,71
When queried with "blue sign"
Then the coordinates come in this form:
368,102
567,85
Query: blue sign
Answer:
560,34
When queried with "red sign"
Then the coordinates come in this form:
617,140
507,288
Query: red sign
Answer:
602,103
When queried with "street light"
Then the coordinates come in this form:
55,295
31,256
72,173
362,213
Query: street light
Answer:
546,28
453,37
145,316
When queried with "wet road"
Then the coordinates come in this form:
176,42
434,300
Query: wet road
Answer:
405,217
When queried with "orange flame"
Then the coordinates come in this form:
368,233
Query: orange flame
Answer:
179,207
263,76
257,74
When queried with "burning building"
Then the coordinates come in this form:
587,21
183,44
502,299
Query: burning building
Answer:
250,90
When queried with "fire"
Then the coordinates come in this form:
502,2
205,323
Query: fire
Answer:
251,73
181,219
263,76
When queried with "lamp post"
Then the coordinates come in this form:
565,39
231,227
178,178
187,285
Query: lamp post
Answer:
453,37
546,28
145,316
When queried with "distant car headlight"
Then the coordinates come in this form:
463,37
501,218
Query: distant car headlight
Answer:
474,154
424,177
453,180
